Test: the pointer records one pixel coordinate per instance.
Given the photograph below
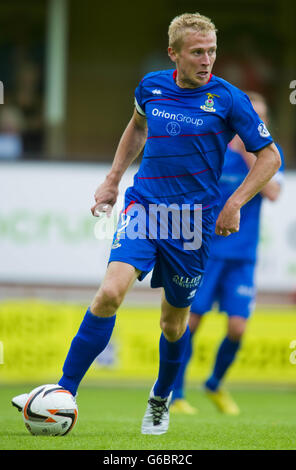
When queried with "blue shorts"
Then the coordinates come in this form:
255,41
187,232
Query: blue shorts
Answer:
178,270
230,283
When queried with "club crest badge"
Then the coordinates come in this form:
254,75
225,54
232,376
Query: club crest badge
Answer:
209,103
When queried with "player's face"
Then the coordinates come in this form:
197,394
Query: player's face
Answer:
195,58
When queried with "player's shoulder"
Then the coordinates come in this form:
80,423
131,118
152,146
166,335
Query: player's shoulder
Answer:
230,90
228,87
231,94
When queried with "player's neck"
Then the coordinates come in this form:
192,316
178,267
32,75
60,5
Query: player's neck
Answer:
185,83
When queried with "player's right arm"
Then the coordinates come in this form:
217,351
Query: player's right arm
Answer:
129,148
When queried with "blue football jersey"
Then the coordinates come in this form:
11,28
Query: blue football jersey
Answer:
243,244
188,133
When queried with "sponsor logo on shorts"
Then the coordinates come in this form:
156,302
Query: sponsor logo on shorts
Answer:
187,282
192,294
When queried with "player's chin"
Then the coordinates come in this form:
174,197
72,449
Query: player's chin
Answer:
202,79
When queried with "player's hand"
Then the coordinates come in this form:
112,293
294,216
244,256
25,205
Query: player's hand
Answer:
228,221
105,198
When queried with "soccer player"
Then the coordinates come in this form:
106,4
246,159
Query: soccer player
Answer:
230,274
184,118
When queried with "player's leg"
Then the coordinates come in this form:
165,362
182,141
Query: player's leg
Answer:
96,327
225,357
202,304
237,301
172,346
179,271
98,323
129,258
179,403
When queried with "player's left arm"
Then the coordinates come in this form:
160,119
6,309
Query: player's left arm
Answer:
272,189
267,163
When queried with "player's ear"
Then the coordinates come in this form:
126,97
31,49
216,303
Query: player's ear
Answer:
172,54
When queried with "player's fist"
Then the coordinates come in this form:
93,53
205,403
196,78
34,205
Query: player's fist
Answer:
105,198
228,221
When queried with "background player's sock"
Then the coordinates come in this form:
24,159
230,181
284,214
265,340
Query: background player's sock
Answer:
225,356
178,391
171,355
91,339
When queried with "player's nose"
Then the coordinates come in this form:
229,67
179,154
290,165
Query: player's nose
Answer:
206,59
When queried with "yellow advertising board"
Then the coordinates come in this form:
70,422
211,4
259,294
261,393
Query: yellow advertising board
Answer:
35,337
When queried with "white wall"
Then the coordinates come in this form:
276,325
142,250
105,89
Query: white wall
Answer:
47,232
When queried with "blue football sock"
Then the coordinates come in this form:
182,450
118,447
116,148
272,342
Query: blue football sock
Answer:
178,391
91,339
171,355
225,356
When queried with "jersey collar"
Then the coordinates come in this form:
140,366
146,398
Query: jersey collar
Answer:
175,73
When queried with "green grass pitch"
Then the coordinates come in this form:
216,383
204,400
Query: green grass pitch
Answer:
110,419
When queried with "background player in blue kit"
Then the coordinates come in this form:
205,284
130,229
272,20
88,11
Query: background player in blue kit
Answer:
185,118
229,278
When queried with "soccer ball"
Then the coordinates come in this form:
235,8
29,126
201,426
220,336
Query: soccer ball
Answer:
50,411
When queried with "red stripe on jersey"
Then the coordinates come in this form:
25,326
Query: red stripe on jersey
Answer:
129,206
185,135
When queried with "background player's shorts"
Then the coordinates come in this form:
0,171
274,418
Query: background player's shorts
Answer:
230,283
177,270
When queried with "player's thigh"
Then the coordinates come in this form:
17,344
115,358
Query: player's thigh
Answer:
173,320
119,278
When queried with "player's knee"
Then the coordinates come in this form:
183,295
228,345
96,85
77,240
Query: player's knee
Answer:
236,331
172,330
107,300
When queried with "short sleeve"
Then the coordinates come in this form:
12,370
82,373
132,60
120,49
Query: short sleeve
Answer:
247,124
138,100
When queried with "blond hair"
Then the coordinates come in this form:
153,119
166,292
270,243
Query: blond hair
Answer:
188,21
